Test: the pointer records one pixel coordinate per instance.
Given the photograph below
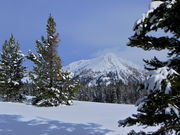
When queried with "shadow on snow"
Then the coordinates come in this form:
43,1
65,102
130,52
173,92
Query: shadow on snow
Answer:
13,125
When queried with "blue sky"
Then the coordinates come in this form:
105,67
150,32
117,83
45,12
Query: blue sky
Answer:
87,28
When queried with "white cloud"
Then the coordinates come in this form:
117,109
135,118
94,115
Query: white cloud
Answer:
135,55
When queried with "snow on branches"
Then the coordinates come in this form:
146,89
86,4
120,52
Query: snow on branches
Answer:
138,26
156,79
150,18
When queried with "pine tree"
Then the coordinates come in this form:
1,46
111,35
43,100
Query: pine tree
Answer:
161,107
53,86
11,71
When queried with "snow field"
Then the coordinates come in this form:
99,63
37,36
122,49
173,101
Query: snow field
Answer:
82,118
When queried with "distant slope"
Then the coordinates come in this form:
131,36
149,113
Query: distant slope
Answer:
82,118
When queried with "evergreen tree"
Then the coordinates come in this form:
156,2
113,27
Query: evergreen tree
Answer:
11,71
114,95
53,86
161,106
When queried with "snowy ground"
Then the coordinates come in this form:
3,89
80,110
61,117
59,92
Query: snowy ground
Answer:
83,118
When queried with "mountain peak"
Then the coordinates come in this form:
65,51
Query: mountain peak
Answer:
109,57
105,64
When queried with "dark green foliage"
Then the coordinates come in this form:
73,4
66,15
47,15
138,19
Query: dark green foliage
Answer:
134,133
11,71
160,108
53,86
113,93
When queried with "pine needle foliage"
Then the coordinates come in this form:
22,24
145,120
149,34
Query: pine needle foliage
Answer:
11,71
161,107
53,85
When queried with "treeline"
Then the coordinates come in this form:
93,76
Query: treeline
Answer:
49,84
113,93
119,93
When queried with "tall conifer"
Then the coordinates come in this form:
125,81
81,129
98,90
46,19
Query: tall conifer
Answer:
53,86
161,107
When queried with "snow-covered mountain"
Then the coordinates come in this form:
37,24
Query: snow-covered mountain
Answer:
106,69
